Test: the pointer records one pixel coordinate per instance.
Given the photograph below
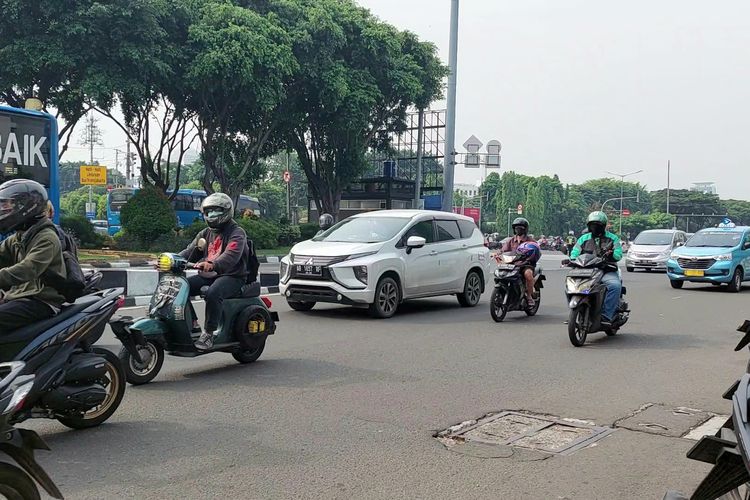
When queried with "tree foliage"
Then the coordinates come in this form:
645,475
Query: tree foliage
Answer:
148,215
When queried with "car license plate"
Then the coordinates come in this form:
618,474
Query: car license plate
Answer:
309,270
693,272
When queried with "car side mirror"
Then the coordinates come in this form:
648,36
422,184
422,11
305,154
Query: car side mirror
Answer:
415,242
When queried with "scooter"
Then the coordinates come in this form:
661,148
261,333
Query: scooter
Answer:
510,289
585,293
728,451
172,325
75,383
20,482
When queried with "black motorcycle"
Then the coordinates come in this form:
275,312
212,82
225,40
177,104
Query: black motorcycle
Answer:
729,449
20,482
510,289
78,384
585,293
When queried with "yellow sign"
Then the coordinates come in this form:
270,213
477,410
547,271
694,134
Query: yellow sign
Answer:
93,175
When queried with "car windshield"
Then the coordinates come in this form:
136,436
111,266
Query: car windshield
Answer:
653,239
364,230
721,239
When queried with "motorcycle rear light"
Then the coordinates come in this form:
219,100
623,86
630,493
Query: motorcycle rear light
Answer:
267,302
120,303
19,397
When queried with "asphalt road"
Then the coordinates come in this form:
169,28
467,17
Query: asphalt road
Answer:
343,406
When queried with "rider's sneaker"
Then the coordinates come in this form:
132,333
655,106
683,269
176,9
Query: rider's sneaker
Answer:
205,342
530,303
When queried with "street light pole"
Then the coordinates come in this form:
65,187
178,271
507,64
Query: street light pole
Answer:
622,191
450,121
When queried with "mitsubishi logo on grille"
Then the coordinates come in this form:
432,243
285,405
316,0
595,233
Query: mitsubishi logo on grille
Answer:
309,262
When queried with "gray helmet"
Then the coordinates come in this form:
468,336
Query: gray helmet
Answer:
217,210
325,221
520,221
22,203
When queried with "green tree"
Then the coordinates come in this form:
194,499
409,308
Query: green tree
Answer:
489,190
240,64
355,80
511,193
738,211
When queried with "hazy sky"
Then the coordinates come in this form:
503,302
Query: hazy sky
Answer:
579,87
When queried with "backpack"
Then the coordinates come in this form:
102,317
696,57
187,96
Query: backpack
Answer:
72,285
253,264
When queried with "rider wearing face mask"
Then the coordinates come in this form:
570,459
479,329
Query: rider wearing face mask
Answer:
600,242
222,263
520,236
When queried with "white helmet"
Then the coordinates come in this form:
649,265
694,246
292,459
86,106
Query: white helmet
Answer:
217,210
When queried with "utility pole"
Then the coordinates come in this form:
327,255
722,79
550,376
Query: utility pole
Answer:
420,149
622,191
91,137
288,189
128,183
669,168
450,125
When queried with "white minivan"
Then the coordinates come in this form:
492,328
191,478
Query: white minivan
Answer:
379,259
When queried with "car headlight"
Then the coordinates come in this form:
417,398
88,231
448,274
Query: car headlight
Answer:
674,256
360,272
724,257
577,285
283,269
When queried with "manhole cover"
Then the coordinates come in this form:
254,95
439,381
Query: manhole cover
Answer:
524,430
664,420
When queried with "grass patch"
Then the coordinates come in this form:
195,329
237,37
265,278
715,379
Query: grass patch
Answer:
280,251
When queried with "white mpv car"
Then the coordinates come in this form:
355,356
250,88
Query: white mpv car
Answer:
379,259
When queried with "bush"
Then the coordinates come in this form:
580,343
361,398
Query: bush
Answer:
129,243
308,231
191,231
148,215
170,242
81,229
288,235
263,234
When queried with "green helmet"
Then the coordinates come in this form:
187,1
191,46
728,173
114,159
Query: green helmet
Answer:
598,217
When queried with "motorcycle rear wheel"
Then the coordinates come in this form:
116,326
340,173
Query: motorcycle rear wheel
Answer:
15,484
498,308
576,328
115,391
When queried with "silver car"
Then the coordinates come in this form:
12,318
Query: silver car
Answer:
651,249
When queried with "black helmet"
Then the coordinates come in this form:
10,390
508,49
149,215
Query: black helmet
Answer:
22,203
218,210
521,222
325,221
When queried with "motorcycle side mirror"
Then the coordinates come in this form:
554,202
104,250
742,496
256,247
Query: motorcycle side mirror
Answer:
202,243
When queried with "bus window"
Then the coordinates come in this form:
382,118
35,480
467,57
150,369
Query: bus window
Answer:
197,201
183,203
118,198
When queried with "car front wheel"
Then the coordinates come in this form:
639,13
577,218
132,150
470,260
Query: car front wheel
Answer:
472,290
387,298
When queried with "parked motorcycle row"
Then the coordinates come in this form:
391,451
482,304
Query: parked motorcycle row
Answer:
52,370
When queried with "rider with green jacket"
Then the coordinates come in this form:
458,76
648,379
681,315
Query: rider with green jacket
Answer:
600,242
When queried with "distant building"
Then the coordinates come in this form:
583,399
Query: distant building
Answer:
467,190
704,187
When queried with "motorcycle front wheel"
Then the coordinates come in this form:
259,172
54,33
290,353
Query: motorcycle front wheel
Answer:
498,308
15,484
577,326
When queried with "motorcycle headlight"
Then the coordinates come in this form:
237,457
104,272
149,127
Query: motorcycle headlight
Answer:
724,257
166,261
576,285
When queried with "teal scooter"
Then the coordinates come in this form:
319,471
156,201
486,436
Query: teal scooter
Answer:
172,326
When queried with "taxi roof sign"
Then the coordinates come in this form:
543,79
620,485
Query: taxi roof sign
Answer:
727,223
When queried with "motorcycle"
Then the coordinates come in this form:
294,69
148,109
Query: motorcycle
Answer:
585,293
510,289
729,449
75,383
172,325
20,482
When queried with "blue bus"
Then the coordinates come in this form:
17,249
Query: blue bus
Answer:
28,149
187,206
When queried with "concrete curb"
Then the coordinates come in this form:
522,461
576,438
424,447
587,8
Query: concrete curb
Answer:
272,259
142,282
